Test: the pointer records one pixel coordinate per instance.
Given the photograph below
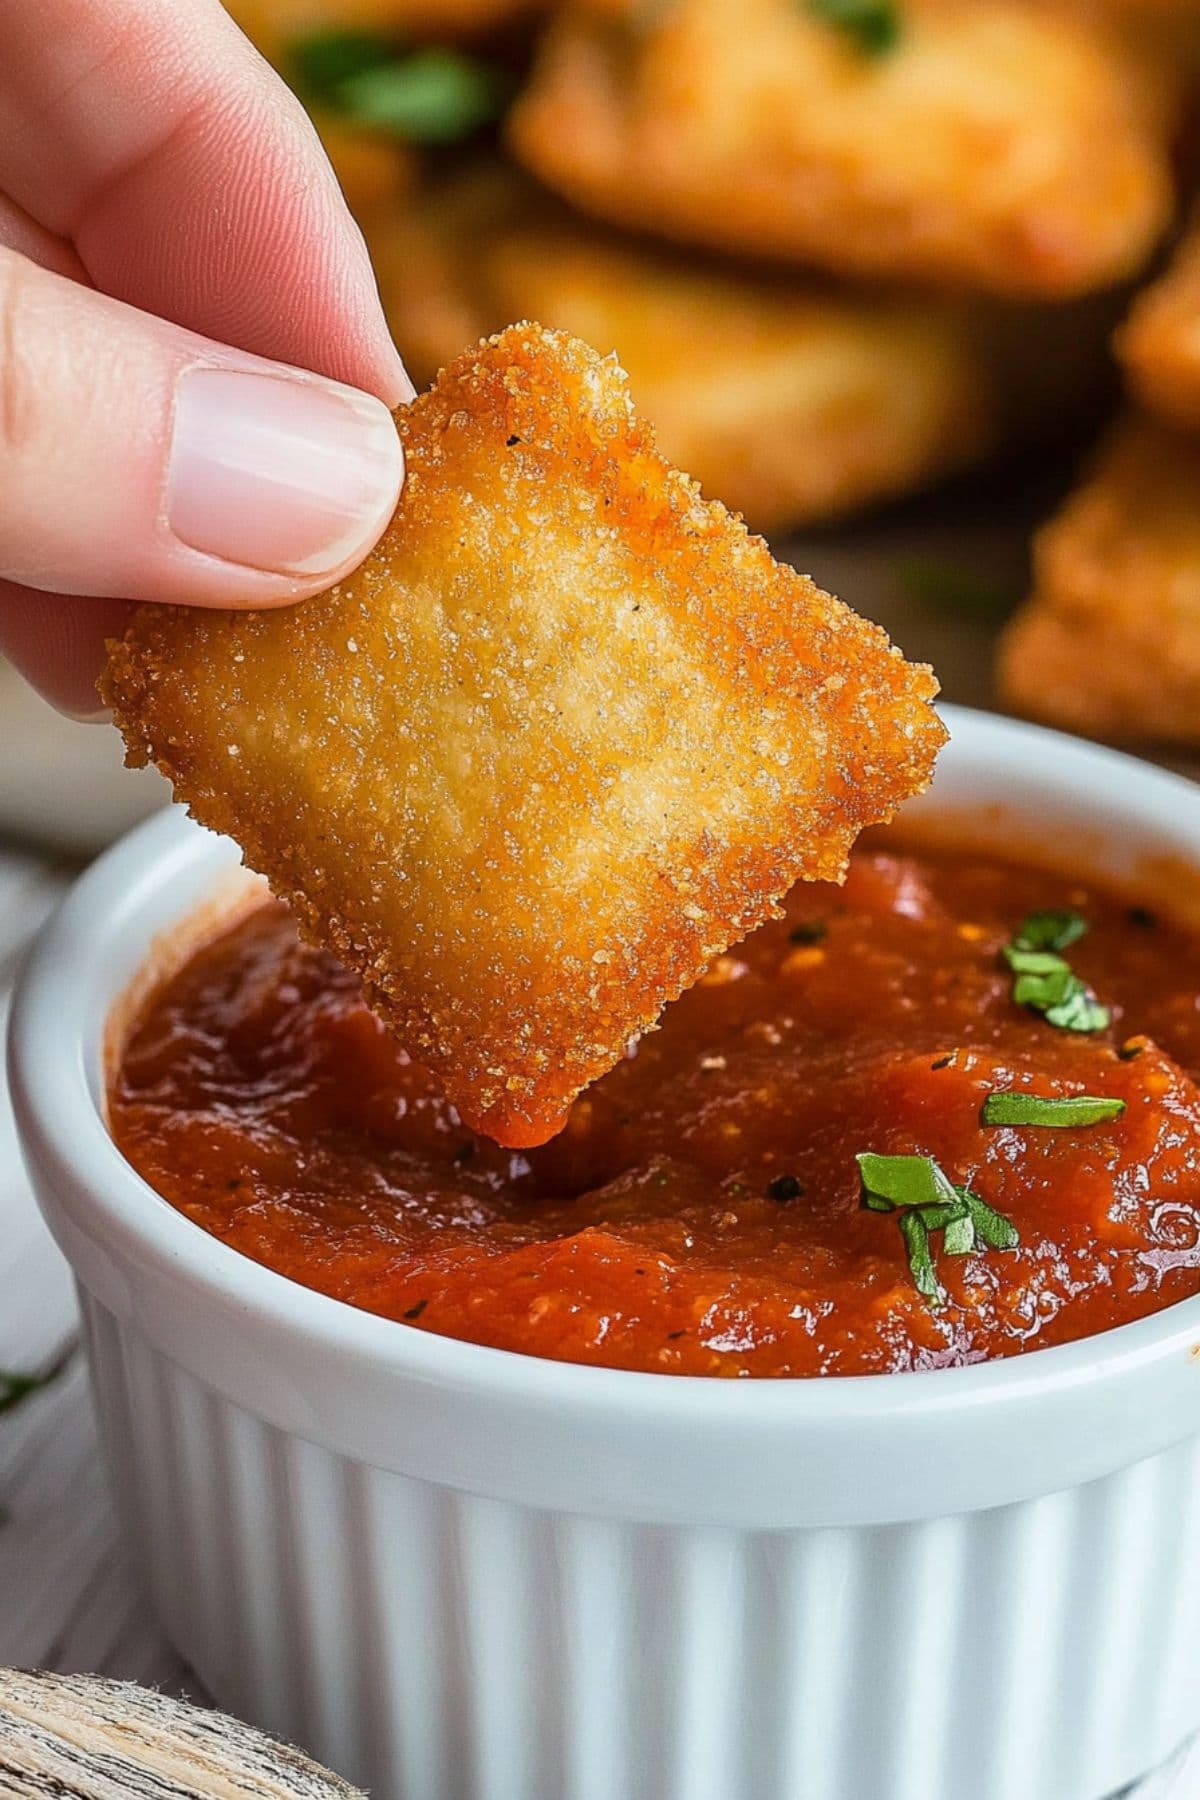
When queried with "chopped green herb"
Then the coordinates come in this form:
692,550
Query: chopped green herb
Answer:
1009,1107
991,1228
318,63
958,1239
431,96
1044,988
425,95
1050,929
17,1384
812,931
938,1217
1045,982
1078,1010
927,1200
873,24
948,587
915,1233
1034,962
903,1180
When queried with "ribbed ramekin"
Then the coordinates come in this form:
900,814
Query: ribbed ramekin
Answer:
459,1574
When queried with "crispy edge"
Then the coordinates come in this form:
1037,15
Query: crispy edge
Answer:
888,738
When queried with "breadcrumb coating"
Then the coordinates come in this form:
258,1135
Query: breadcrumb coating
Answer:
1109,644
1003,145
566,735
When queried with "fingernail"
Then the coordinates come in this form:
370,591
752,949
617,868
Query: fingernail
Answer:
278,473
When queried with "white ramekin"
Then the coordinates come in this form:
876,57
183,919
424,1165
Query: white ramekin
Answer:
460,1574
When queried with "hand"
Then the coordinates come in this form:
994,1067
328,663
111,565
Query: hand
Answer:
168,223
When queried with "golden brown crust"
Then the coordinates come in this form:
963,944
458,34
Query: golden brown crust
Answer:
568,733
1002,145
1109,644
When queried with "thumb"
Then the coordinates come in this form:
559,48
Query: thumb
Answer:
139,460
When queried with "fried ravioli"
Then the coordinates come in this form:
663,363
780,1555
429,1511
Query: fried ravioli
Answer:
1159,344
566,735
998,145
795,401
795,398
1109,644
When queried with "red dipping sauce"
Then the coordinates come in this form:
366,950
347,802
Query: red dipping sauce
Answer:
702,1211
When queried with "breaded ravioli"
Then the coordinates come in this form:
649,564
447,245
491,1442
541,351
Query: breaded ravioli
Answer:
566,735
997,144
1109,644
1159,344
795,398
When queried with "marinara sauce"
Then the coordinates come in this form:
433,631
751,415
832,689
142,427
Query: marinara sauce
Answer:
702,1212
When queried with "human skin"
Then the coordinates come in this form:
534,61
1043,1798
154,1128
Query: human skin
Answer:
195,374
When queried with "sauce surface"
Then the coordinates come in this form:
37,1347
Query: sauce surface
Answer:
702,1211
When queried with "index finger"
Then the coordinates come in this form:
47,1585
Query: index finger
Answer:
151,135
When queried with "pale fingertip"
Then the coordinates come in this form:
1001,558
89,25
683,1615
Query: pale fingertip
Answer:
293,476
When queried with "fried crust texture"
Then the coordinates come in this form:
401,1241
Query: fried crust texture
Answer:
566,735
1109,644
1000,145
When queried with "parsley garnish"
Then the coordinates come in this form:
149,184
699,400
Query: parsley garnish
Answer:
873,24
927,1201
1052,928
425,95
1008,1107
950,588
16,1385
1045,982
